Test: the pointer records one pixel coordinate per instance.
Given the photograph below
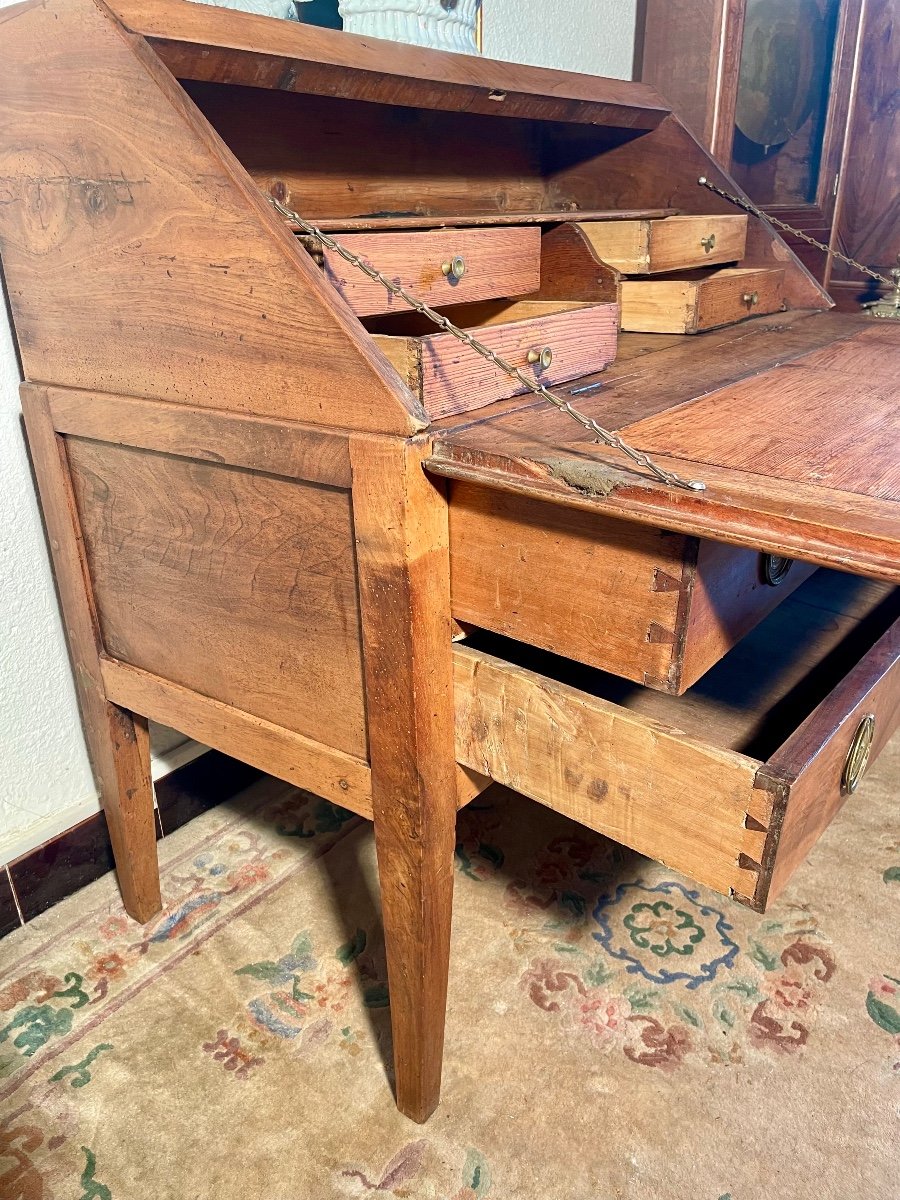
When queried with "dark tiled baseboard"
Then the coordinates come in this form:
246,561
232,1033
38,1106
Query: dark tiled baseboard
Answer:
51,872
9,913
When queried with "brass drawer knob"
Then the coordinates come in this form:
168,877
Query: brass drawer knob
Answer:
751,298
774,568
455,268
542,358
709,242
858,755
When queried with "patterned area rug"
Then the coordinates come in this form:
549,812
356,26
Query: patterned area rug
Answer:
613,1030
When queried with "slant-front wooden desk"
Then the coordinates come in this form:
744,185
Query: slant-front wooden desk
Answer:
303,526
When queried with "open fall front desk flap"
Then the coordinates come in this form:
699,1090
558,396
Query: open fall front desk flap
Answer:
792,422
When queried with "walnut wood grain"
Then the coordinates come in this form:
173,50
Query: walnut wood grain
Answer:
571,269
810,764
241,48
400,519
341,778
566,217
729,597
310,453
578,584
138,256
649,787
656,608
867,219
802,422
117,740
406,164
690,51
239,585
602,172
766,495
669,371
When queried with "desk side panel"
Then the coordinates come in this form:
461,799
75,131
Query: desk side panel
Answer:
233,583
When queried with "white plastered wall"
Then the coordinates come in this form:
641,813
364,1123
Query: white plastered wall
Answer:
595,36
45,778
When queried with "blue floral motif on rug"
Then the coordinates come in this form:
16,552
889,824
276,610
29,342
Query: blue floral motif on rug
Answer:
664,933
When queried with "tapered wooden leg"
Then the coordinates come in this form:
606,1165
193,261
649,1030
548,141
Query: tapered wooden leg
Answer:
415,866
118,742
122,769
401,527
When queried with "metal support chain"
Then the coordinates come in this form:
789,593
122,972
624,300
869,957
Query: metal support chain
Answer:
747,206
605,436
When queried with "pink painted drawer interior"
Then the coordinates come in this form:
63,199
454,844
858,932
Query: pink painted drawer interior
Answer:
550,341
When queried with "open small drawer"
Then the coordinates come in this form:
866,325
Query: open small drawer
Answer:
648,246
698,300
732,783
551,341
439,266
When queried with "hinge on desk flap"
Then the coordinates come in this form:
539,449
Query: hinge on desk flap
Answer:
605,436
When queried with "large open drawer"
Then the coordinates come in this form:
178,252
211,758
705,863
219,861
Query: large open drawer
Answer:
733,782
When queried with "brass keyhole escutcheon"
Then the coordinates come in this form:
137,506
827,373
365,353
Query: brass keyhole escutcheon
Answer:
542,358
709,242
455,268
774,568
858,755
751,298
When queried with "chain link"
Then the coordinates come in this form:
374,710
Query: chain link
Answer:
606,436
811,241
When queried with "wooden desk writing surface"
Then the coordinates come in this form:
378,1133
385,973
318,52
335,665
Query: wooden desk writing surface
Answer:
793,424
265,537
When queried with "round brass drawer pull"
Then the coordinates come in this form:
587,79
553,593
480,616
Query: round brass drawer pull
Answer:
709,242
542,357
455,268
750,298
858,755
774,568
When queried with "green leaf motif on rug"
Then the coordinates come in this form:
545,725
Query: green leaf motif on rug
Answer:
268,972
92,1189
641,999
351,950
325,817
892,875
663,929
376,996
75,991
688,1014
476,1174
38,1023
759,954
884,1015
285,969
79,1071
